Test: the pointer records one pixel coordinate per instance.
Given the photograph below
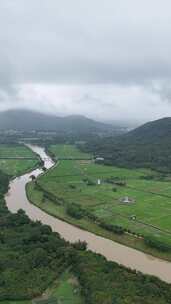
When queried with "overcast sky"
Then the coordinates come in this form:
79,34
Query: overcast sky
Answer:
106,59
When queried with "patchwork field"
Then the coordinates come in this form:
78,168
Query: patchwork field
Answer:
73,181
16,166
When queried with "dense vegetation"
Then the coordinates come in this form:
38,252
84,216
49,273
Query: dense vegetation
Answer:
107,283
148,146
28,262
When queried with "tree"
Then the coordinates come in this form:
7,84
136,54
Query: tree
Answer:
80,245
33,177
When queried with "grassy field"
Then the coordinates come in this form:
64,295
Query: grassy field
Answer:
62,151
67,290
15,151
15,167
152,198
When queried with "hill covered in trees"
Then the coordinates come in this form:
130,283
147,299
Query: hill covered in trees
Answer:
147,146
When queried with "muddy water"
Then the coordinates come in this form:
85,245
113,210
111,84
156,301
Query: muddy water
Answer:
16,199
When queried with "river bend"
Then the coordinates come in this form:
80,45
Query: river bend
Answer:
16,199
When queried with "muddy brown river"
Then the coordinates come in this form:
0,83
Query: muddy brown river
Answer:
16,199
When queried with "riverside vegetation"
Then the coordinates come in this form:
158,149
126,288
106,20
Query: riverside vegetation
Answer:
33,258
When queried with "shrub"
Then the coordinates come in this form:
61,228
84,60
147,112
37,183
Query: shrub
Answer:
75,211
154,243
72,186
114,228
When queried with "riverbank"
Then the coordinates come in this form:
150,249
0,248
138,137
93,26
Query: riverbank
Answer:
129,257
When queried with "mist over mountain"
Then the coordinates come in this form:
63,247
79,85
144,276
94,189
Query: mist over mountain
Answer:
28,120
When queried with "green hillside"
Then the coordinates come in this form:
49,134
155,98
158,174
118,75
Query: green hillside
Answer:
148,146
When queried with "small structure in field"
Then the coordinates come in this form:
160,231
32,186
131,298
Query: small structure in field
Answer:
127,200
99,160
133,217
99,181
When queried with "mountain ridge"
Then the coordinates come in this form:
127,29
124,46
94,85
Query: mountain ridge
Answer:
152,130
27,120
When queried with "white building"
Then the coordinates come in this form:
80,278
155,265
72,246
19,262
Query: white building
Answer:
99,160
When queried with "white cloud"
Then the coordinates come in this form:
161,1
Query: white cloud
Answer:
106,59
101,102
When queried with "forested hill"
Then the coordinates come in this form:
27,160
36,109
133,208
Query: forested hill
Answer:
147,146
155,131
28,120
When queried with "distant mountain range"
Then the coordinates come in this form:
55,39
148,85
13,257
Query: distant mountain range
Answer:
28,120
146,146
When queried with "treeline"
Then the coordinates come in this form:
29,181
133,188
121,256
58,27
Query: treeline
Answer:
76,211
108,283
157,244
130,152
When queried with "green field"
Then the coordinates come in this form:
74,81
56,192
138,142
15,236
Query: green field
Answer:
15,151
67,290
152,198
16,167
62,151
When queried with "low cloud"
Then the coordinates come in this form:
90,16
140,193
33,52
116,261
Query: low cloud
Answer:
109,60
101,102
